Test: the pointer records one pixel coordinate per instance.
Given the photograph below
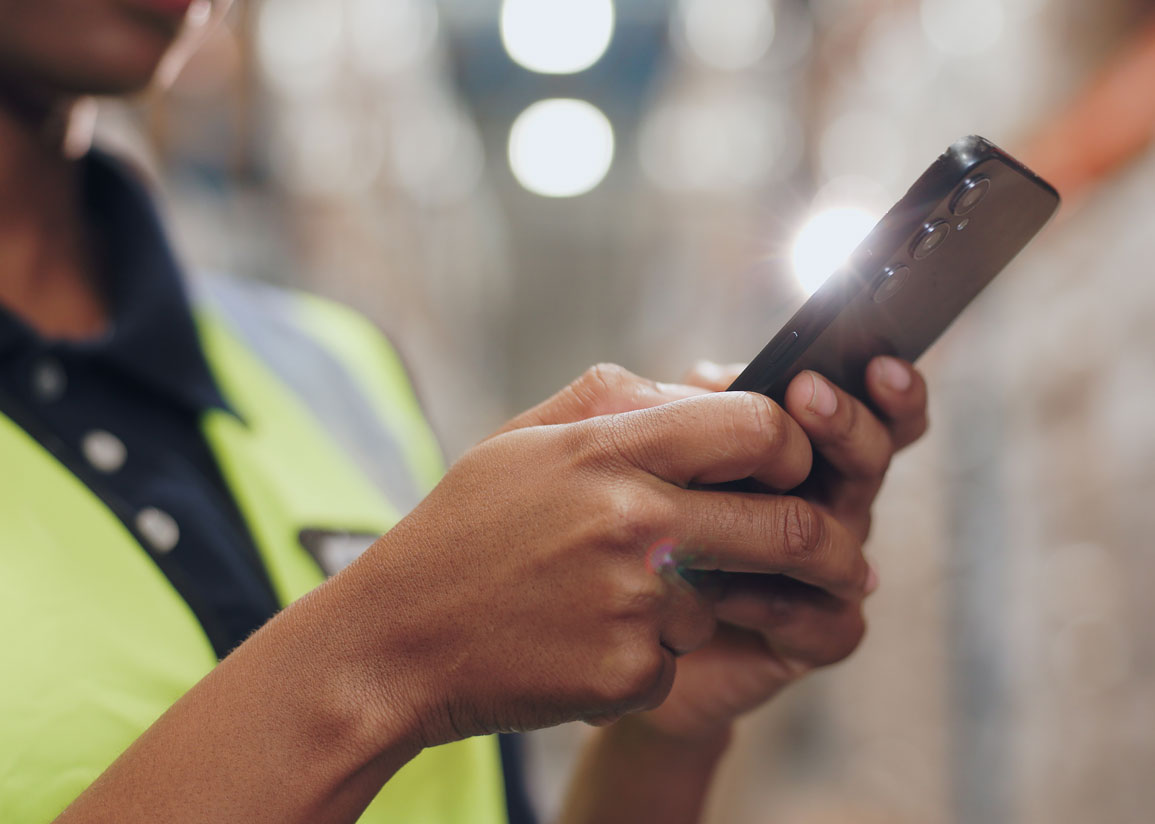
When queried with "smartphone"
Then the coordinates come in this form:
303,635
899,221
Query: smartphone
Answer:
960,224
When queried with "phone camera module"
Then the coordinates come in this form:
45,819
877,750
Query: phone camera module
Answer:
932,236
893,278
970,195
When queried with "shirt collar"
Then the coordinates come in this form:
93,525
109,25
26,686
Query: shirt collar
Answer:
152,337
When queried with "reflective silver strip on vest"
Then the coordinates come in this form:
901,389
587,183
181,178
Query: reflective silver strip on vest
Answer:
265,318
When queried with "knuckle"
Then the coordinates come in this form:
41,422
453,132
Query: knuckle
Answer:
641,675
757,423
602,380
638,600
629,677
601,443
800,529
594,390
632,519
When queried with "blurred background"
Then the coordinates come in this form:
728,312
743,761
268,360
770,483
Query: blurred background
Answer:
515,190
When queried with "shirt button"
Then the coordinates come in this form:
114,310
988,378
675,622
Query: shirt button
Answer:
103,450
158,528
48,380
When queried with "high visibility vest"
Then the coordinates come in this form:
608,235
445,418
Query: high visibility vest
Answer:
97,643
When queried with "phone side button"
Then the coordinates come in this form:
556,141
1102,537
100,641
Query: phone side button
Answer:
782,348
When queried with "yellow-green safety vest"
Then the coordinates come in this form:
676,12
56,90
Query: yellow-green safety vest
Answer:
97,642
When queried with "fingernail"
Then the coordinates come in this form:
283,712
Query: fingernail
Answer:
872,580
823,401
894,374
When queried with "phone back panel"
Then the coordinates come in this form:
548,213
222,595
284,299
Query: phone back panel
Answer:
843,326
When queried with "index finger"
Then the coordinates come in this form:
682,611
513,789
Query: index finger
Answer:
711,439
755,533
602,389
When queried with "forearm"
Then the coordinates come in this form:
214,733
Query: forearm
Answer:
633,774
299,724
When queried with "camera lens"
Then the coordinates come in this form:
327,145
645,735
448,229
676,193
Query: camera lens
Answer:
933,235
970,195
893,277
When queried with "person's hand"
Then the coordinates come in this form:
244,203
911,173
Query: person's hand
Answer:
774,629
853,445
536,583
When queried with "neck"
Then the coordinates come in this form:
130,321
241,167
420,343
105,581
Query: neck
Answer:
47,276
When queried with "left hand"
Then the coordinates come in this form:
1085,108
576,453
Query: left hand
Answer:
772,629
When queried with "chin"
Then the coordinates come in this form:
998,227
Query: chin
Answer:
124,76
95,50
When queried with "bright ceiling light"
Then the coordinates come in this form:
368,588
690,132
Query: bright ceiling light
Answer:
557,36
825,243
561,147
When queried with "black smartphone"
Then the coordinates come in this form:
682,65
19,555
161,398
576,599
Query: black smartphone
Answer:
960,224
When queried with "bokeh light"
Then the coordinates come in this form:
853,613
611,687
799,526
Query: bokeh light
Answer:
863,143
299,44
726,34
319,153
895,58
557,36
718,143
390,37
951,25
561,147
437,157
826,241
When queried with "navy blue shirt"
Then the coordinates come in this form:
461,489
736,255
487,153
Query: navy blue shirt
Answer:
123,412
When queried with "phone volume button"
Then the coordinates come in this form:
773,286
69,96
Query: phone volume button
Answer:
782,348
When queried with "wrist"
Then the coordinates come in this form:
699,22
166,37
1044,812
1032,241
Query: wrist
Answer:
635,772
698,751
302,697
365,695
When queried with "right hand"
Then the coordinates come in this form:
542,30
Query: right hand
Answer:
525,590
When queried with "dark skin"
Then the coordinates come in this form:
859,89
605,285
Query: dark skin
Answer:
51,52
564,507
46,253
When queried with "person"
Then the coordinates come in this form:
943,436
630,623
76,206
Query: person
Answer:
173,491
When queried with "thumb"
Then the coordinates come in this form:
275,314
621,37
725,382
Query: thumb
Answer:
605,389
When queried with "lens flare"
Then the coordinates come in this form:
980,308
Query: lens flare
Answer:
825,243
